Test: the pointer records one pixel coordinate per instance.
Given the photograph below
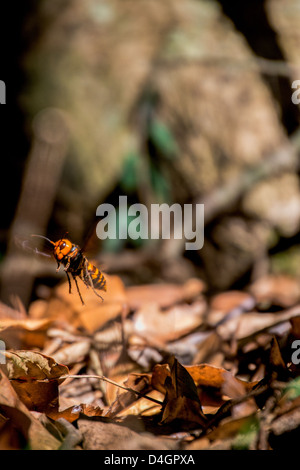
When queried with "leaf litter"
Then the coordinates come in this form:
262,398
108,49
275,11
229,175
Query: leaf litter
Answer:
153,367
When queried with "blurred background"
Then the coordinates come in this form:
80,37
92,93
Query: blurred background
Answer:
180,101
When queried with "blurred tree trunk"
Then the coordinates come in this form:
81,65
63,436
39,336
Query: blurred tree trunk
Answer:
97,61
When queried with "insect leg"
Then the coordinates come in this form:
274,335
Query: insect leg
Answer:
67,266
74,277
69,280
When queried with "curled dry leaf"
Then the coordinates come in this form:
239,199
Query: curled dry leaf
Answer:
35,377
205,375
181,400
28,365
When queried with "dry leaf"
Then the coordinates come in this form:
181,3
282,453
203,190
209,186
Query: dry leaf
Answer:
168,325
72,353
295,327
19,334
209,380
223,303
35,378
280,290
74,412
224,432
205,375
253,323
276,366
181,400
38,395
99,435
38,437
144,406
140,383
27,365
91,316
164,295
14,428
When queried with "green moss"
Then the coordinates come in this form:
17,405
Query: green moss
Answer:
287,262
247,435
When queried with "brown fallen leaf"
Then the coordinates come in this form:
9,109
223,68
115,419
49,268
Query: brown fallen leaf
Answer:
91,316
276,370
234,388
18,417
253,323
74,412
276,364
164,295
14,428
168,325
38,395
22,333
280,290
295,327
222,304
35,377
207,348
286,423
149,406
33,365
181,400
138,382
102,435
209,380
72,353
205,375
224,433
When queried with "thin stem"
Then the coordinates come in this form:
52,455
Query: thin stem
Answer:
102,377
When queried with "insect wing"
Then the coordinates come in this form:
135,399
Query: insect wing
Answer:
31,245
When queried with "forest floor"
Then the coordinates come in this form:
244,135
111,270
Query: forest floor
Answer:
163,367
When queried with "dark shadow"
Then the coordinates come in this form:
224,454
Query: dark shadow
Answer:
250,18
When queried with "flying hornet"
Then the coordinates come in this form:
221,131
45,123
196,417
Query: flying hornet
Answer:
75,264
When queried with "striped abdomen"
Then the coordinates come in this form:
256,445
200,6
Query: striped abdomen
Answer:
98,279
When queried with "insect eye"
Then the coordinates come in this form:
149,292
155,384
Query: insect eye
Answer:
63,245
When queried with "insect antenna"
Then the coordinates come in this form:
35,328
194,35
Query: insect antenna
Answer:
42,236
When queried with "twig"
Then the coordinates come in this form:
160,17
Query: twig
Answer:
225,409
102,377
